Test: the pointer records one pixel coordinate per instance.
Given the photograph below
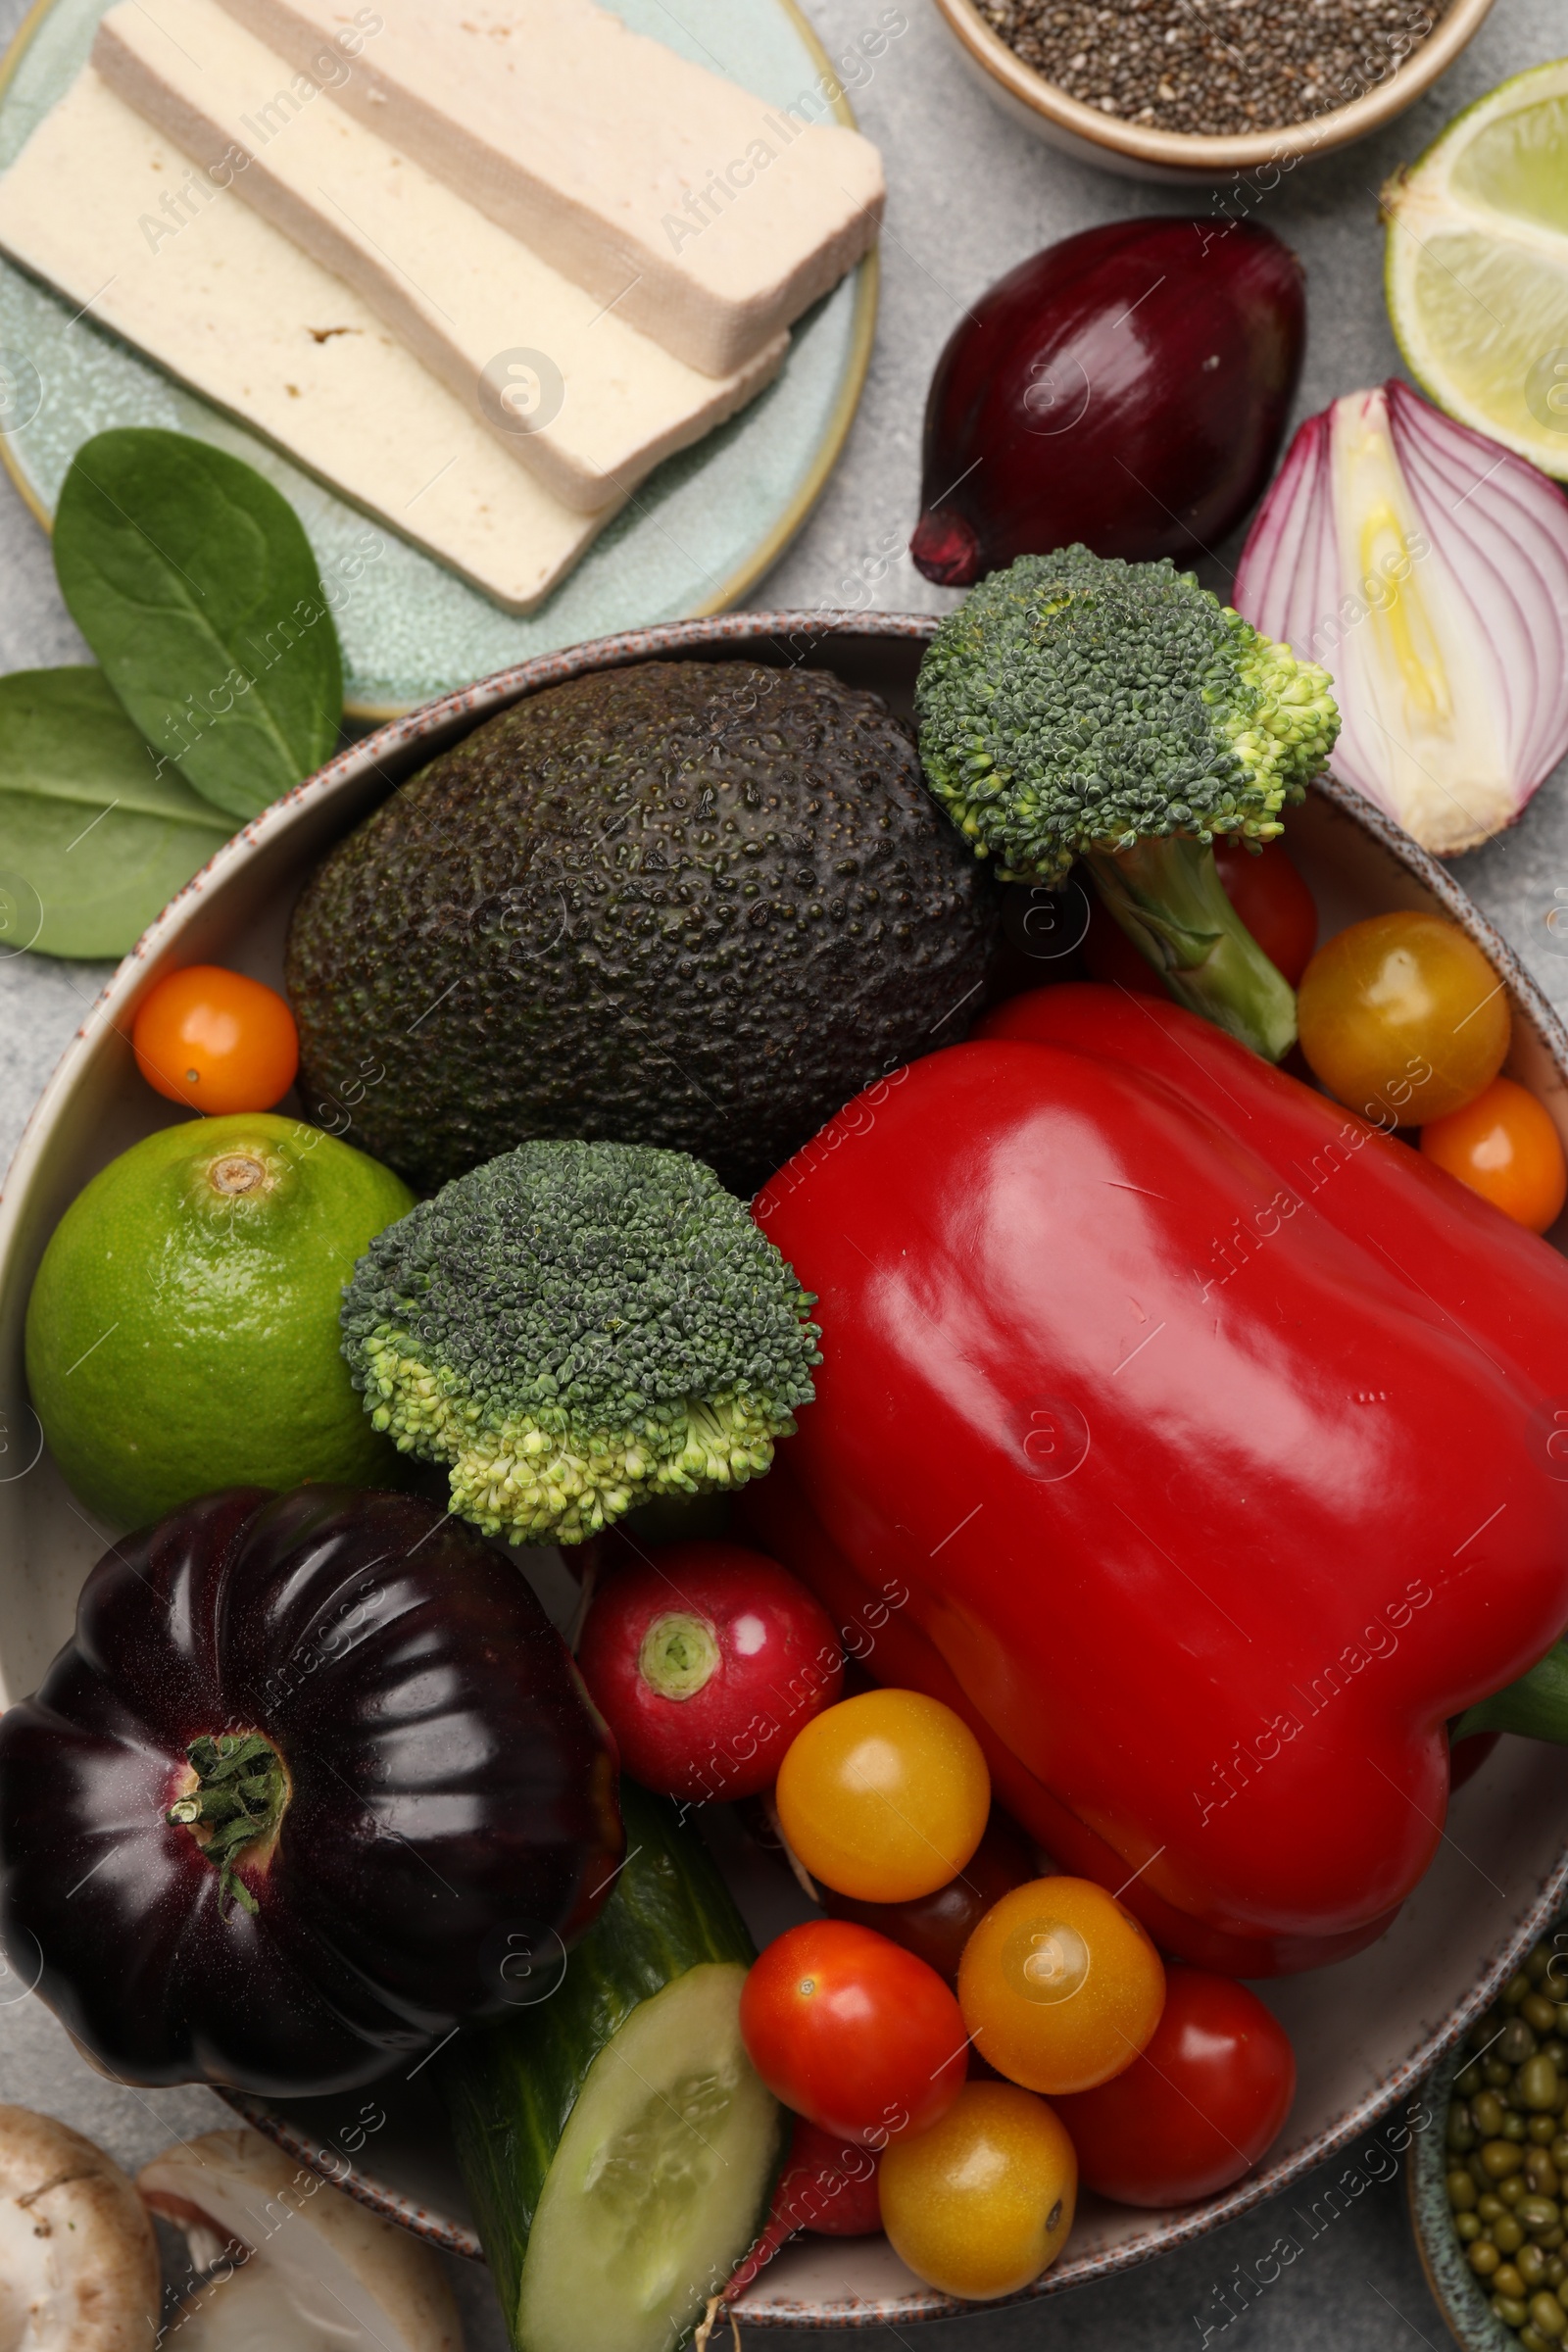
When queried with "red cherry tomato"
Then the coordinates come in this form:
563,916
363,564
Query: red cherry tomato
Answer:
1505,1146
854,2032
1197,2109
1266,892
937,1927
1272,901
216,1041
1110,957
706,1659
1467,1755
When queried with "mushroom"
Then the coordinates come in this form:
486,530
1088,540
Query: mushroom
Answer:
78,2261
291,2261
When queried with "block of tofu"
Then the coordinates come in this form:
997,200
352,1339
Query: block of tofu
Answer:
709,219
242,316
606,402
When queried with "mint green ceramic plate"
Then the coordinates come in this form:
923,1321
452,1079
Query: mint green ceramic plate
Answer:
705,525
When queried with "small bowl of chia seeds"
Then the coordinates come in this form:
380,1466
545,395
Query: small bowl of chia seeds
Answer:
1202,89
1488,2178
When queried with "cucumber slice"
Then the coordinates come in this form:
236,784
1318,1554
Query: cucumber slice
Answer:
618,2145
660,2179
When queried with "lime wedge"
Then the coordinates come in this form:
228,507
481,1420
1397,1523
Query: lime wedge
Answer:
1477,266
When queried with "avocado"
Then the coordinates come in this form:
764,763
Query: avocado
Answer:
694,903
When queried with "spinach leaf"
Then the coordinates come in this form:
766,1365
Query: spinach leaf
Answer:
93,840
193,581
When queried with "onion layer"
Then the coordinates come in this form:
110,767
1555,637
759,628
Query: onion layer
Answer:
1427,569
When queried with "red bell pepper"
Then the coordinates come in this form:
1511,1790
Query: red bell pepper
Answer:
1211,1434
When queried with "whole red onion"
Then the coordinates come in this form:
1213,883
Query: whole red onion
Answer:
1127,388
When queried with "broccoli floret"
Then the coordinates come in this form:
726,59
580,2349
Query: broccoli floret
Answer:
1075,702
1078,706
574,1328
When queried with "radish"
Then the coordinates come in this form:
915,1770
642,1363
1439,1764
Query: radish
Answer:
706,1659
826,2188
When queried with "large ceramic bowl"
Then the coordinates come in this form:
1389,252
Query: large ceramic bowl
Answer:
1365,2031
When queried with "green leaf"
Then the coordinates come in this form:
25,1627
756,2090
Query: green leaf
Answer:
92,839
193,581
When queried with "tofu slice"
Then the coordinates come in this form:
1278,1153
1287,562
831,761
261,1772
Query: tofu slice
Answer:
246,320
481,311
709,219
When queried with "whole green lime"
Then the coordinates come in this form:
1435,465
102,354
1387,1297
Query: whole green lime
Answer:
182,1334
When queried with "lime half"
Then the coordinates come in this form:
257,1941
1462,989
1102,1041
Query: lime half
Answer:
1477,266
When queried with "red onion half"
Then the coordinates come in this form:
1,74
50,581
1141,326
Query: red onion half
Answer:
1427,569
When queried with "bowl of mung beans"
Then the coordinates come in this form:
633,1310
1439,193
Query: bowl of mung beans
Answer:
1198,90
1488,2174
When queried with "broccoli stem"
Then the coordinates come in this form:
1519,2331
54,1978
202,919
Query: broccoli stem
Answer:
1166,894
1535,1706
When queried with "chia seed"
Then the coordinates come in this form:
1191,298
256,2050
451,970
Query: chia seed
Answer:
1213,67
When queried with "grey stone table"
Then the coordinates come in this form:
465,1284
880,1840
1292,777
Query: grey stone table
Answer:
970,195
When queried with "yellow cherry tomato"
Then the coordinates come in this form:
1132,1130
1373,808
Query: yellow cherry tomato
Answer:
1505,1146
1059,1986
885,1796
1403,1018
982,2203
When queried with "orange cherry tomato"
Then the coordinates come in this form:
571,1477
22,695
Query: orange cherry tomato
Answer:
216,1041
1059,1986
885,1796
982,2203
1505,1146
1403,1019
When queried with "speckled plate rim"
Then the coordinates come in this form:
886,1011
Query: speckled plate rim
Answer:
830,448
1107,140
792,636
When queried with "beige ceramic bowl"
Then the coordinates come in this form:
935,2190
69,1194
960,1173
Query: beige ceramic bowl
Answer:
1140,152
1365,2032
